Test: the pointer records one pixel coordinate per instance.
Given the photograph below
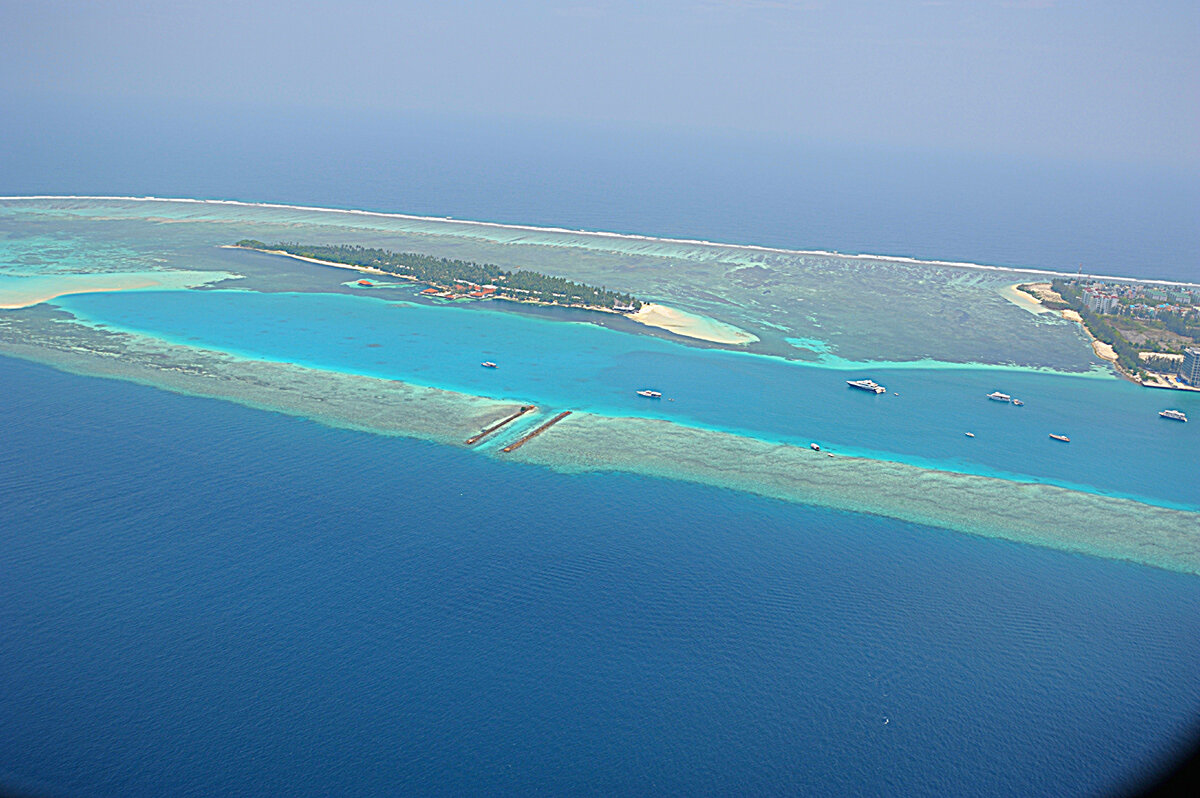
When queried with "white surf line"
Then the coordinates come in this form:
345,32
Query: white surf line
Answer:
623,236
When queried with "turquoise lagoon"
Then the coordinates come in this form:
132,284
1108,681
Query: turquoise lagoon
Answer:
852,309
1119,446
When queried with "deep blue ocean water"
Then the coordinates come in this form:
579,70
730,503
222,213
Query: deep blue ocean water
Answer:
199,598
1135,219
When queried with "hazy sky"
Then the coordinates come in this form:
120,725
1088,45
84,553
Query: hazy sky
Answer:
1112,80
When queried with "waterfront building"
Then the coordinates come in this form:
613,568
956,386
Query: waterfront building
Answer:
1098,301
1189,367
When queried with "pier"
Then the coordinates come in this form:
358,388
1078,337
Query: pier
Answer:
474,439
518,444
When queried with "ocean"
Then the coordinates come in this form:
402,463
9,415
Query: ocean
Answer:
201,599
1135,219
204,598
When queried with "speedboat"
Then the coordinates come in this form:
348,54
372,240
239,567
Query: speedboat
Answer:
996,396
970,434
1174,415
1062,438
1018,402
487,364
650,394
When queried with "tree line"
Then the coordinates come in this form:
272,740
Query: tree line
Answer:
444,273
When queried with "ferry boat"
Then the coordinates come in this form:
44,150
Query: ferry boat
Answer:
996,396
1062,438
867,385
1174,415
487,364
650,394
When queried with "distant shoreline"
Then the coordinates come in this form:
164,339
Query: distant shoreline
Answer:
621,236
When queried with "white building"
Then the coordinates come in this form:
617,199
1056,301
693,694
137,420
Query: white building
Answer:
1099,302
1189,367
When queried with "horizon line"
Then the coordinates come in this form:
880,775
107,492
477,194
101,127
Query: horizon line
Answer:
608,234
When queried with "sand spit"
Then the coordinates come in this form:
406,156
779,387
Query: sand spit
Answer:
690,325
14,298
23,291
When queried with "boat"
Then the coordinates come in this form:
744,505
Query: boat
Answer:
650,394
996,396
365,282
487,364
1062,438
814,447
867,385
1018,403
1174,415
970,434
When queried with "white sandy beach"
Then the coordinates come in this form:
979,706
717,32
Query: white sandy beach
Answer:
1022,299
17,296
690,325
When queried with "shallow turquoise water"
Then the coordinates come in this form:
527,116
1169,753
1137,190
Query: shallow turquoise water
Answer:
1119,445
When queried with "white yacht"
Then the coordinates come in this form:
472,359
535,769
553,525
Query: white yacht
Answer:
1174,415
867,385
996,396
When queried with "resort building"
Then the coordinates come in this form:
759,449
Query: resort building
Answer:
1189,368
1099,302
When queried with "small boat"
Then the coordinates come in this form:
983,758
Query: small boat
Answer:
1018,403
867,385
996,396
650,394
1174,415
487,364
814,447
970,434
365,282
1062,438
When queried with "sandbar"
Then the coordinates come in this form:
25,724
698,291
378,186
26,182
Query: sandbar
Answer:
23,291
690,325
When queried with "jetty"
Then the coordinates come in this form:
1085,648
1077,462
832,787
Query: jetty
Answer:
512,447
474,439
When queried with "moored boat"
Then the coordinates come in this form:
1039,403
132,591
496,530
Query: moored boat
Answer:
996,396
1174,415
1062,438
650,394
867,385
487,364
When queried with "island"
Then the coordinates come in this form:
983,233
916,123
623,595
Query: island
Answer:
1150,333
452,279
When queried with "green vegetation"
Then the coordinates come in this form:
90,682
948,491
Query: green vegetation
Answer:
460,277
1131,330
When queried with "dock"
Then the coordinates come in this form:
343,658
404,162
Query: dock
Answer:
512,447
474,439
